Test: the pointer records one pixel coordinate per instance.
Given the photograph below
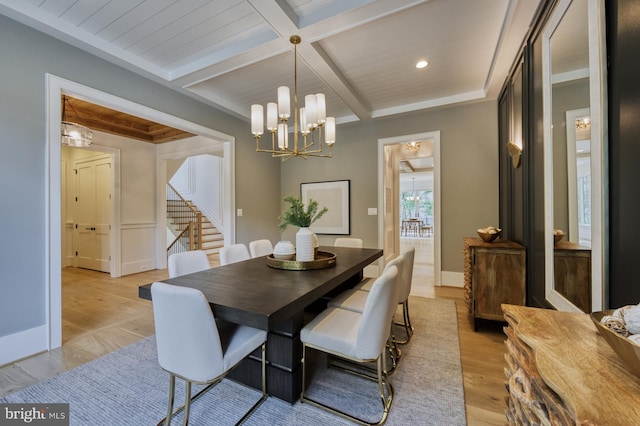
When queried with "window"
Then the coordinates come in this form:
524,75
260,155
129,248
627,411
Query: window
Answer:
584,200
422,208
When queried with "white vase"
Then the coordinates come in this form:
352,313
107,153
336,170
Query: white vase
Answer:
316,244
304,245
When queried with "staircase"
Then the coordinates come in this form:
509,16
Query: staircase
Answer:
212,238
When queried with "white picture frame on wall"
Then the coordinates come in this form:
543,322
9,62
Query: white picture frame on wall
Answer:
335,196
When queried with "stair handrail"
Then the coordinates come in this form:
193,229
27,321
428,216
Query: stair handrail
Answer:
195,236
185,233
185,202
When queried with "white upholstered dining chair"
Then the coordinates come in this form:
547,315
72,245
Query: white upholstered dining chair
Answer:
404,289
259,248
234,253
348,242
195,347
187,262
355,300
356,337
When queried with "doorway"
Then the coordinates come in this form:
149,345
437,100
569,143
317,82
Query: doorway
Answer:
56,87
390,154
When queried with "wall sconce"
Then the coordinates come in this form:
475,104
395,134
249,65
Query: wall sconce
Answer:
516,152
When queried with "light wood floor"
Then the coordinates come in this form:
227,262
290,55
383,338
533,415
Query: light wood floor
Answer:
102,314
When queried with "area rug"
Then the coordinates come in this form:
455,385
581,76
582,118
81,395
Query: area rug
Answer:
128,387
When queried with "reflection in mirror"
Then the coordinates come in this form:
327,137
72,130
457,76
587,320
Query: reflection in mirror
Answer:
579,176
572,203
572,258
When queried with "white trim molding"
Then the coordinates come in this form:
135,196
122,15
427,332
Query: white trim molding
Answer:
437,228
23,344
55,87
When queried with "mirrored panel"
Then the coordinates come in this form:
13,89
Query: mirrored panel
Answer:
573,148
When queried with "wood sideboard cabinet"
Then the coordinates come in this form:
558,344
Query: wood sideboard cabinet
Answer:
494,273
572,273
561,372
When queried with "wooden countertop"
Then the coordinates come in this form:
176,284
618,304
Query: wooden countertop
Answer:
578,364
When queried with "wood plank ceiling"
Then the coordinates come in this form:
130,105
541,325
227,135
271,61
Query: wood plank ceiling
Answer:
107,120
360,53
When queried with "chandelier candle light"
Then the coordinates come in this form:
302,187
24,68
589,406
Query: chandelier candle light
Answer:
309,121
413,196
413,146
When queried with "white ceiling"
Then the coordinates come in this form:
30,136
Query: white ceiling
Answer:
360,53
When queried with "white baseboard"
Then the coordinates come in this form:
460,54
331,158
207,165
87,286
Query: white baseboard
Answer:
137,267
452,279
23,344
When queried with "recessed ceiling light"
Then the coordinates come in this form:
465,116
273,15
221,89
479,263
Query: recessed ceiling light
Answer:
422,64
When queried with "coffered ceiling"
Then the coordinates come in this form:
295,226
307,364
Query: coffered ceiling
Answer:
360,53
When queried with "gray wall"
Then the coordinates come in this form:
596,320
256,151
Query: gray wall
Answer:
27,56
468,154
469,171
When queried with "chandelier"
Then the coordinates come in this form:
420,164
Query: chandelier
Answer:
583,123
308,121
413,196
412,146
73,134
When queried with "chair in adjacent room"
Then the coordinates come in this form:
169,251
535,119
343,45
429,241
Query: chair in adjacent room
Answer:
195,347
234,253
259,248
187,262
348,242
357,338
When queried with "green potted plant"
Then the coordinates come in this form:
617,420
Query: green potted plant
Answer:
302,216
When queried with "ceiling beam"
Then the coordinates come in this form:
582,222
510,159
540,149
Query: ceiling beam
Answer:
283,21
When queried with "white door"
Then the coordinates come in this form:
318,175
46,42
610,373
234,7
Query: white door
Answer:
93,213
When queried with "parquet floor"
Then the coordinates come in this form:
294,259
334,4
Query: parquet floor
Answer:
102,314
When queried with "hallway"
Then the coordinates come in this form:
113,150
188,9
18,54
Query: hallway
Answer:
423,273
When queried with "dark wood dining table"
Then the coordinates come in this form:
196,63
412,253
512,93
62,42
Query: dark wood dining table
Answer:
254,294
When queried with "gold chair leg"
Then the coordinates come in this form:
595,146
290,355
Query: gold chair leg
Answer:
394,354
170,413
188,400
383,382
172,389
187,403
264,387
382,379
408,328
